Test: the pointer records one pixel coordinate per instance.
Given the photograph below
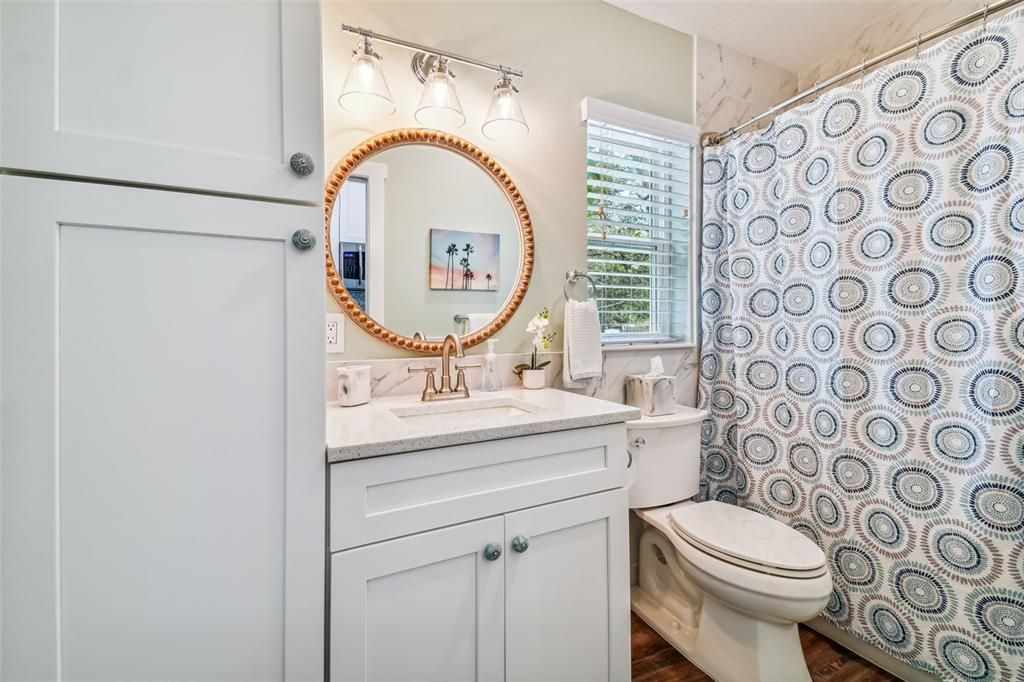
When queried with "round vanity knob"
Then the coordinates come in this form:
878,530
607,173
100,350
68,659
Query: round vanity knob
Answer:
302,163
639,442
492,551
520,543
303,240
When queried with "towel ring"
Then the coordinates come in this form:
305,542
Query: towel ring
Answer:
573,276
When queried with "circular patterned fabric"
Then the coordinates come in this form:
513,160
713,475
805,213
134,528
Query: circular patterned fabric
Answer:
995,502
927,593
855,565
978,61
999,615
920,490
996,390
791,140
992,277
958,442
841,117
902,91
892,628
917,387
862,330
914,288
986,169
909,190
961,656
957,549
885,527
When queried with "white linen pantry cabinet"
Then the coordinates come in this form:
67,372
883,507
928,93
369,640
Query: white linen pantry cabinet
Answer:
163,476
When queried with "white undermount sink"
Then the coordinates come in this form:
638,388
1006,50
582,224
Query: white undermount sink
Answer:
463,412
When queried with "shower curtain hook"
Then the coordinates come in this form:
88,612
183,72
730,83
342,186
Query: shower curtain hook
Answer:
984,21
863,61
917,50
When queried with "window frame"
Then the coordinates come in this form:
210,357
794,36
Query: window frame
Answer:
601,111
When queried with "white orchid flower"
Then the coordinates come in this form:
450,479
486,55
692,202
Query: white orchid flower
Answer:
537,325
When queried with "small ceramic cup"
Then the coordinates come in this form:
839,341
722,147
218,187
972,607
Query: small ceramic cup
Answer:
533,378
353,385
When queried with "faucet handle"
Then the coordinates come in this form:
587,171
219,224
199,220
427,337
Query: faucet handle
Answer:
467,365
428,369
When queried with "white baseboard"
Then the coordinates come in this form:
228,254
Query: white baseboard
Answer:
890,664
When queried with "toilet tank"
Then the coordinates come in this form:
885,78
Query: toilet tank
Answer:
665,453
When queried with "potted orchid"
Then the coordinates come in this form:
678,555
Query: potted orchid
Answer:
532,373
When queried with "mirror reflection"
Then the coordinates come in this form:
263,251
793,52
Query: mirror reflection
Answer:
425,241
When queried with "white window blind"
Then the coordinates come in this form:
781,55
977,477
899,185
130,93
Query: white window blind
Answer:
639,198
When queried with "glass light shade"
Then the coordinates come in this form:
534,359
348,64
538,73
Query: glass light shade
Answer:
505,121
439,104
365,92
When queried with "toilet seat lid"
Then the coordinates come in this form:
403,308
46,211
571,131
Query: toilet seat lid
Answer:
748,537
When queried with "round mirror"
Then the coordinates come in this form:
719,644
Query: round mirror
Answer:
426,236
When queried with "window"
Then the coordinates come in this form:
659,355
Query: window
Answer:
640,204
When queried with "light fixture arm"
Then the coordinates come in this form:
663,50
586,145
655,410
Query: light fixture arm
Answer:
497,68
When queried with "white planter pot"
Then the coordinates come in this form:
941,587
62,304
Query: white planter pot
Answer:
534,378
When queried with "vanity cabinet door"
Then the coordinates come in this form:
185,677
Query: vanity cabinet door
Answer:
163,451
567,591
201,95
427,607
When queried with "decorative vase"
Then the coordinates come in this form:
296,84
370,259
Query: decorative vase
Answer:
533,378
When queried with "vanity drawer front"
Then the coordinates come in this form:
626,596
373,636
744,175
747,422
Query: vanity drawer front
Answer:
386,497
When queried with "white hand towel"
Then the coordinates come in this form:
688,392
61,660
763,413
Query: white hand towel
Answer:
581,343
475,321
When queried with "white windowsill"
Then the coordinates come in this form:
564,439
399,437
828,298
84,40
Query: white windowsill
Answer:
648,346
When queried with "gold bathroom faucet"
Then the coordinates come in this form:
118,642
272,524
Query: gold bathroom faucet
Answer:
447,391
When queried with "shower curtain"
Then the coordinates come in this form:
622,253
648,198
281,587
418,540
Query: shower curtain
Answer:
863,342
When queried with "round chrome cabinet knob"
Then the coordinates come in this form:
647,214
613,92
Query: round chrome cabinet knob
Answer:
520,543
492,551
302,164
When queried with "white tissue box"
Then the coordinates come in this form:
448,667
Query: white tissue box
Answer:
654,395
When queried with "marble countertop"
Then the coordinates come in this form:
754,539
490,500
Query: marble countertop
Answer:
386,426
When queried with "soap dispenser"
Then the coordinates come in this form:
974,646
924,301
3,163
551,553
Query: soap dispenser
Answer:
491,377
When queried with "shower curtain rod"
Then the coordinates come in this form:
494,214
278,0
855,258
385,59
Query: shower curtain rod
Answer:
711,139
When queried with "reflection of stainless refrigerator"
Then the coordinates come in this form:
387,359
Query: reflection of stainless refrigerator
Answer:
353,270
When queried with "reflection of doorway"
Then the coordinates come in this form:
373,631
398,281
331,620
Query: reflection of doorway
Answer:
357,229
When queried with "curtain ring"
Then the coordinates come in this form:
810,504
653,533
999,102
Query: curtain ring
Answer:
917,50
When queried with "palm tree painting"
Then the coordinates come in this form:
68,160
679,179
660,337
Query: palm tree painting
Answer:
457,257
450,273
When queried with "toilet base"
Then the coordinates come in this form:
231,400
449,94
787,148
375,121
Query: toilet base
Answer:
728,645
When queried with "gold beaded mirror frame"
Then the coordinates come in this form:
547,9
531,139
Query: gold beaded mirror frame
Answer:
466,149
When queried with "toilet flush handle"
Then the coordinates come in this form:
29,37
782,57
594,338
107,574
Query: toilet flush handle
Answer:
638,442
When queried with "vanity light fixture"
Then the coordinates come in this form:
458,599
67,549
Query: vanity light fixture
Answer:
365,92
439,105
505,121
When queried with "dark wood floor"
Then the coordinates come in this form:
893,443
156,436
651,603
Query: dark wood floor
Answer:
655,660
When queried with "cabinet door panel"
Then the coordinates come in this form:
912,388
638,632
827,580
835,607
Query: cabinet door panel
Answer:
427,607
162,446
205,95
567,595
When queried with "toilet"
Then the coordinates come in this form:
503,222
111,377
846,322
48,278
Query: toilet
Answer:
725,585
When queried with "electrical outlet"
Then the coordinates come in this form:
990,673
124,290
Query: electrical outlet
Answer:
335,333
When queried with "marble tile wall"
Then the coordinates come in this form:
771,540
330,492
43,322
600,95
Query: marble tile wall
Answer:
733,87
903,22
391,377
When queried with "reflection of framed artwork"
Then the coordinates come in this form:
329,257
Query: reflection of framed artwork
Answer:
464,261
